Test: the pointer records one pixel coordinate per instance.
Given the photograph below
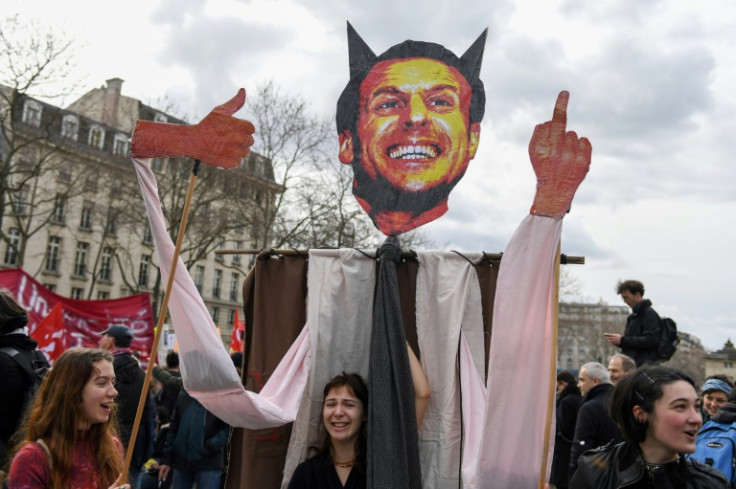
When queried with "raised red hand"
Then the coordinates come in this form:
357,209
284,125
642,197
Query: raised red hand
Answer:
560,160
218,140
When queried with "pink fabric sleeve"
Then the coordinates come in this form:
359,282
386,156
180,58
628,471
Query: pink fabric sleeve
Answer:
207,371
512,443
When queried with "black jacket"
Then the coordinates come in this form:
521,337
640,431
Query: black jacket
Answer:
618,466
567,408
594,426
197,438
641,336
129,378
14,385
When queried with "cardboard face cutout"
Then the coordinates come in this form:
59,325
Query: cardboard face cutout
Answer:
409,123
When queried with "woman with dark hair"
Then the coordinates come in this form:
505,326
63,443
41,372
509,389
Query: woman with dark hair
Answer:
658,411
341,462
70,436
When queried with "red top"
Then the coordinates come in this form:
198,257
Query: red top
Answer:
30,468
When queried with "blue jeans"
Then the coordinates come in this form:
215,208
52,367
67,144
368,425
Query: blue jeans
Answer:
205,479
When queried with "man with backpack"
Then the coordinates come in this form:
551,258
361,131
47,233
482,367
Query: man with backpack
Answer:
643,330
22,367
716,441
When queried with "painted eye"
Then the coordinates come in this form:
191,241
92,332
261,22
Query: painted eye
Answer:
440,102
389,105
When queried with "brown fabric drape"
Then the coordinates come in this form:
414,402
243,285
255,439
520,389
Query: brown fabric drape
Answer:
274,294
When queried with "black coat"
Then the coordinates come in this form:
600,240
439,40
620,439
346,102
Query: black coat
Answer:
567,408
594,426
614,466
129,378
14,385
641,336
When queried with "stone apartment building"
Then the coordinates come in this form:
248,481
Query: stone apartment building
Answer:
71,217
580,333
722,361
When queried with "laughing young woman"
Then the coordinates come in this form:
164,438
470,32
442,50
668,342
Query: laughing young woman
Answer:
658,411
70,440
341,462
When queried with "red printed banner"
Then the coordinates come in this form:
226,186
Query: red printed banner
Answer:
58,323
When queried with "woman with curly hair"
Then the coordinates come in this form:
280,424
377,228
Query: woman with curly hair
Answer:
70,435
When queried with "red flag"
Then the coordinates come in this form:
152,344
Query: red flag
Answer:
237,340
51,335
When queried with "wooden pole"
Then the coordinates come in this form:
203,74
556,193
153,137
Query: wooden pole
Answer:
160,323
567,260
552,369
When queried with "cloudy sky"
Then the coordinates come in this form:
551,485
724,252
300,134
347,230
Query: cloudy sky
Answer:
652,86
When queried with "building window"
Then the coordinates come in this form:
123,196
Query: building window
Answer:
103,295
77,293
728,364
80,262
96,137
32,113
111,227
157,164
70,127
147,235
85,221
59,213
215,315
217,284
53,251
234,279
120,145
65,173
159,117
199,277
236,257
90,181
106,264
20,200
143,270
51,287
13,242
219,256
231,317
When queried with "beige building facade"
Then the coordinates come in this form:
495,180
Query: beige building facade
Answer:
72,218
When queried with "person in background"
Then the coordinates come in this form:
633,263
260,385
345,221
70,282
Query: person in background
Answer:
568,404
714,393
658,411
19,359
169,391
130,379
620,365
594,427
150,474
643,326
70,437
195,446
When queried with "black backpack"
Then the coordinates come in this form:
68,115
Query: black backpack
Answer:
668,339
33,364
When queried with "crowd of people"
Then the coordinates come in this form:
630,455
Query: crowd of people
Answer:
624,425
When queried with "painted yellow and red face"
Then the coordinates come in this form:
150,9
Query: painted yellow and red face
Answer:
413,125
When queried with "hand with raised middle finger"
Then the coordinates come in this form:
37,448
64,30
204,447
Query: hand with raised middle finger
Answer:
560,160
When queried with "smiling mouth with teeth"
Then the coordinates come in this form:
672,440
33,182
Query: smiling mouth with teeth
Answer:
408,152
